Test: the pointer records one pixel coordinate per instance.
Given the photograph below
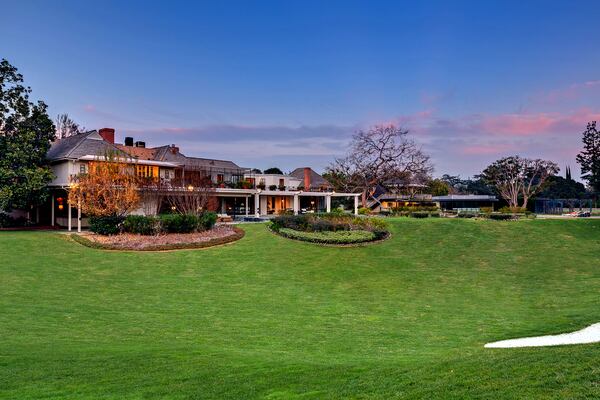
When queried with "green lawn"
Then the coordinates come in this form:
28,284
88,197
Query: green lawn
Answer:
268,317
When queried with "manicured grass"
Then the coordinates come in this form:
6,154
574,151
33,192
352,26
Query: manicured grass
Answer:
329,237
268,317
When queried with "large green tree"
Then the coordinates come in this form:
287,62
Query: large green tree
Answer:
589,157
26,132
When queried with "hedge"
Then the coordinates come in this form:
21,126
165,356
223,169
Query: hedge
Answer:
106,225
330,237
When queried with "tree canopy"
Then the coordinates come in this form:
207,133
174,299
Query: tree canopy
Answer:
26,132
589,157
518,178
382,154
273,170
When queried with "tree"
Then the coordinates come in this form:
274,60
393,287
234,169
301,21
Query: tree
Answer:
110,188
557,187
518,178
589,157
383,153
437,187
194,198
468,186
66,127
26,132
273,170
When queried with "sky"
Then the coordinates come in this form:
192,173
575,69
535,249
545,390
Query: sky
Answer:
287,83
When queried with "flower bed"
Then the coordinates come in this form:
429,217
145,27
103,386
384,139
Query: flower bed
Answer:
332,228
173,241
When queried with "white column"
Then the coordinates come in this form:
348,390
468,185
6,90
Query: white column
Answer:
247,204
328,203
355,205
223,211
79,216
69,216
52,210
296,204
257,204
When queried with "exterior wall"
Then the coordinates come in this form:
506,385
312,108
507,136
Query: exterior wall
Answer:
64,170
289,182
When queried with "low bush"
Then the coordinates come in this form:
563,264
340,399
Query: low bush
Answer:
141,225
502,216
435,214
486,210
364,211
7,221
329,237
328,222
106,225
207,221
513,210
272,187
419,214
467,214
178,223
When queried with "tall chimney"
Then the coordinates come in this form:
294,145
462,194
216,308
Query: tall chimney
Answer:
107,134
306,178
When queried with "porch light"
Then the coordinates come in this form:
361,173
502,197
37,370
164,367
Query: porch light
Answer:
190,188
60,206
173,208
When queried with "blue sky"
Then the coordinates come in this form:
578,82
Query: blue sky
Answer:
287,83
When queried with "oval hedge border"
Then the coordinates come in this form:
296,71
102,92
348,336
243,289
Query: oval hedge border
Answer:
359,244
239,233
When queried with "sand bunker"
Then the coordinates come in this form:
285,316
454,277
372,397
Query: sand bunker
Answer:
591,334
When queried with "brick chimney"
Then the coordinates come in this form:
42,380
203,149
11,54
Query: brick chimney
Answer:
306,178
108,134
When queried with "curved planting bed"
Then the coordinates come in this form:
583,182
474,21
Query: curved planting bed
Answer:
331,229
174,241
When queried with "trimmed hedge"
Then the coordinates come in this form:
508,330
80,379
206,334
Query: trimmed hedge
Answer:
328,222
106,225
207,221
419,214
502,217
330,237
141,224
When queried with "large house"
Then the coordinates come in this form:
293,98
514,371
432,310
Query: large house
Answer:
234,190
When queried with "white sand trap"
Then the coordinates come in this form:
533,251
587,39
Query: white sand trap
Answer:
591,334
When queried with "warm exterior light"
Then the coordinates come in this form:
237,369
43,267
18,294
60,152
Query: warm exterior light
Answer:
190,188
173,208
60,206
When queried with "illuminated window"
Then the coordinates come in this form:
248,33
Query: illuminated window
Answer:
146,171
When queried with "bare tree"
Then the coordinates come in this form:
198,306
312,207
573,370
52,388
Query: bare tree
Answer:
192,196
381,154
66,127
518,178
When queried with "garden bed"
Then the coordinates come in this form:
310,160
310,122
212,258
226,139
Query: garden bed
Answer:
173,241
330,229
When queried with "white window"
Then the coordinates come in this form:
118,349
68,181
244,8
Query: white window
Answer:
82,168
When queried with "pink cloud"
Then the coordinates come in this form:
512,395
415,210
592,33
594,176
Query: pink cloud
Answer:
486,149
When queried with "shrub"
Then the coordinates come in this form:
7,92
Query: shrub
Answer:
207,220
435,214
364,211
179,223
272,187
281,187
419,214
467,214
486,210
502,216
513,210
106,225
328,237
141,225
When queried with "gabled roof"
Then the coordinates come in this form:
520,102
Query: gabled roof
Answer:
164,154
316,180
141,153
83,144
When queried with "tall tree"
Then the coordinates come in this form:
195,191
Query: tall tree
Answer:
66,127
438,187
26,132
589,157
518,178
381,154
